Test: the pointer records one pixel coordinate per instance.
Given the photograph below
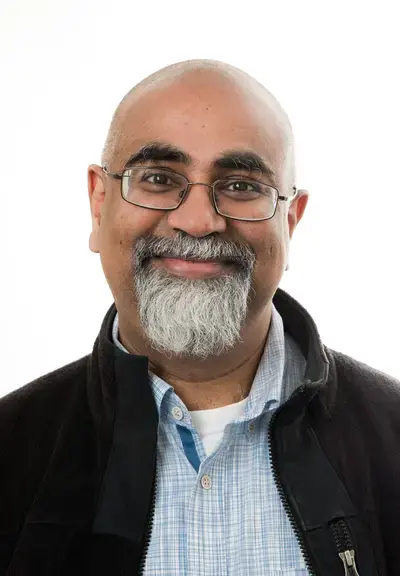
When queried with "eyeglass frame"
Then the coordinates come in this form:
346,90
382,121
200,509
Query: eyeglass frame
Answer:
120,176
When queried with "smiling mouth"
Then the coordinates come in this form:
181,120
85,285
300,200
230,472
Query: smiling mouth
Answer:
216,260
184,267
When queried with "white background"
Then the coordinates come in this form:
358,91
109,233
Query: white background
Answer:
66,64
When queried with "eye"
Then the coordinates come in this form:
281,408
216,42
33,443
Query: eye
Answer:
236,187
241,186
158,178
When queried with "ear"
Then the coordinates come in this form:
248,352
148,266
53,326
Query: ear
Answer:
296,210
96,198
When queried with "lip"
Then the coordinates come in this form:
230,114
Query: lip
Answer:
192,269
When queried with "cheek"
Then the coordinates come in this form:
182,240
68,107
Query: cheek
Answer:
118,230
116,240
271,258
268,241
273,253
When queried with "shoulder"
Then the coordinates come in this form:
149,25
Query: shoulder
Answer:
31,419
361,392
40,402
362,378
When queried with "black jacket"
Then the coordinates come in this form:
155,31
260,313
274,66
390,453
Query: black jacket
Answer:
78,462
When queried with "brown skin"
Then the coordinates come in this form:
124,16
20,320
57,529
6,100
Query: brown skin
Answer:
202,115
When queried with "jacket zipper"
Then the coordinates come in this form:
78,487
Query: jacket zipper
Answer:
281,490
149,527
345,547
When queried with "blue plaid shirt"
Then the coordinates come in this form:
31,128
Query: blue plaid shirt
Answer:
221,514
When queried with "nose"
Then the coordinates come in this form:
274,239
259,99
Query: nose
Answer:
196,215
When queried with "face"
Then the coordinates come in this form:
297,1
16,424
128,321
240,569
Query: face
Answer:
180,310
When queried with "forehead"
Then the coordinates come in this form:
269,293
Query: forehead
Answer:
205,115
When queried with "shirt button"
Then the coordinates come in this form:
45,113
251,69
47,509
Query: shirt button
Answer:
206,481
177,413
252,427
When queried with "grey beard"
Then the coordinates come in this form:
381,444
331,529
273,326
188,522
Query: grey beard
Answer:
194,318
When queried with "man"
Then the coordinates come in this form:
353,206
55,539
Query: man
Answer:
209,431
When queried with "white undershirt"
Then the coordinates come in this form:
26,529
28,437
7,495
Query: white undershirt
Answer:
210,424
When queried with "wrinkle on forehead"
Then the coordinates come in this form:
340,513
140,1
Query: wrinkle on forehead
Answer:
211,71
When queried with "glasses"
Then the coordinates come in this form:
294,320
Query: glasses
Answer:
238,197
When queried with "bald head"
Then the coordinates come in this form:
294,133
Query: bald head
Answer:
200,72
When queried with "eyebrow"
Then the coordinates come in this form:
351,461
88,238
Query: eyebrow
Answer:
229,160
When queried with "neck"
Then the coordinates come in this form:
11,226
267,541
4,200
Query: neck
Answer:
212,383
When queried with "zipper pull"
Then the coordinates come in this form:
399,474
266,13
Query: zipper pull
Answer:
349,563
